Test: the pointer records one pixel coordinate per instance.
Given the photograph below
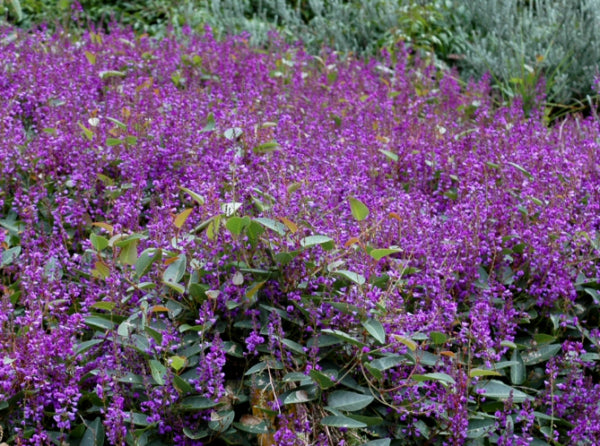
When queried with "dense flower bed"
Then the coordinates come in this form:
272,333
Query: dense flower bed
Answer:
202,242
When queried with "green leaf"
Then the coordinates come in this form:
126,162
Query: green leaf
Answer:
198,198
480,428
84,346
314,240
349,401
542,354
323,380
497,390
297,397
344,337
267,147
98,242
542,338
375,329
111,142
252,425
158,371
177,287
94,434
279,228
128,254
521,169
111,73
145,261
195,435
175,271
197,403
118,123
99,322
86,132
412,345
182,385
180,218
517,371
101,270
387,362
177,362
138,419
368,420
437,337
342,421
293,346
390,155
358,208
358,279
10,255
483,372
108,306
210,124
220,421
379,254
443,378
237,224
263,365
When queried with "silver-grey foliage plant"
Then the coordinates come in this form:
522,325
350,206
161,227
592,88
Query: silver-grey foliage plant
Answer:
346,26
519,42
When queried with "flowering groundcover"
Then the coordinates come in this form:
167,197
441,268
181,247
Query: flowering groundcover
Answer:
205,243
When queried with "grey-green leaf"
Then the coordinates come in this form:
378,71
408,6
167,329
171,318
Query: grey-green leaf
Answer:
358,279
94,434
443,378
158,371
175,271
197,403
375,329
342,421
499,391
517,371
350,401
313,240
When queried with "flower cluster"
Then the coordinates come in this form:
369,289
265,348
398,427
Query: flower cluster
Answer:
175,214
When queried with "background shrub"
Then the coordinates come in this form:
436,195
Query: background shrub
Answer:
522,43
